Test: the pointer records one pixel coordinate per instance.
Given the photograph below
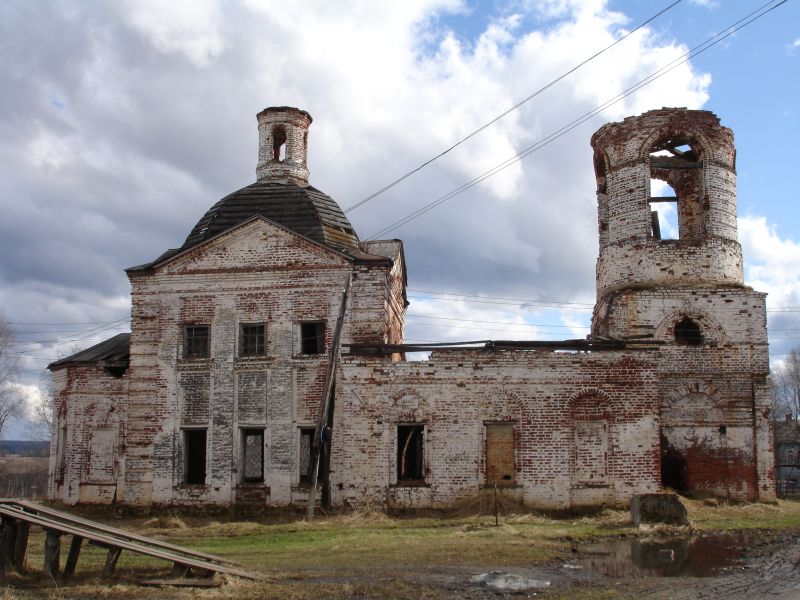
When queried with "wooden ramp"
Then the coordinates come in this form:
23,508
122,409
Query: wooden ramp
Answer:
17,516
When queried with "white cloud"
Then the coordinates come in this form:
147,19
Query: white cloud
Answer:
771,266
190,27
135,120
771,261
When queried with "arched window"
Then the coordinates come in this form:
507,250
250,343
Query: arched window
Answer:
676,189
688,332
279,143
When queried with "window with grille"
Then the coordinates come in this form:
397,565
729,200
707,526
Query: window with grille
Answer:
196,341
304,458
312,338
253,455
252,339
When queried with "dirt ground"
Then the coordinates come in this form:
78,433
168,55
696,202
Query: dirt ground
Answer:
738,552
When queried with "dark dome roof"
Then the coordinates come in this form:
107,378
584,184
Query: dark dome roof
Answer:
304,210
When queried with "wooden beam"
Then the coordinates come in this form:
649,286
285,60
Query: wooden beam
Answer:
663,199
3,555
21,547
655,224
669,162
72,556
111,561
10,541
52,552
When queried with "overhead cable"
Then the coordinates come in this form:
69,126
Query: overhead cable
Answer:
510,110
699,49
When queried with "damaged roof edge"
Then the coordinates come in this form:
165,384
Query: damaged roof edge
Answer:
113,352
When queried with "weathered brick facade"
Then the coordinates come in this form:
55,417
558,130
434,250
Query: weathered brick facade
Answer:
232,333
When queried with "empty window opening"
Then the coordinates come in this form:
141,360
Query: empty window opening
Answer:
279,143
674,470
305,465
312,338
253,339
196,341
663,211
410,444
253,455
500,465
194,443
676,190
688,332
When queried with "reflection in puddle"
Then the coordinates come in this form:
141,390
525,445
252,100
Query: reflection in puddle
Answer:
704,556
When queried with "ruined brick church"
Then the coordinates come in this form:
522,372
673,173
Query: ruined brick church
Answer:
266,364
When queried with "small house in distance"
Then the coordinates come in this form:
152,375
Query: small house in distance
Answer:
268,351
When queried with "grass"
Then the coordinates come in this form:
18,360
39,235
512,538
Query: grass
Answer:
316,558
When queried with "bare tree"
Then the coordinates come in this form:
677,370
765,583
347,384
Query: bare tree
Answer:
786,387
10,400
42,408
786,411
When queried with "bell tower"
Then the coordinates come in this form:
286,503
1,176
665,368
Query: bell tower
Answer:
670,269
283,145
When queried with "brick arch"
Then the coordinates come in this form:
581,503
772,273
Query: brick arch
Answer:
499,404
601,168
709,327
706,394
697,140
408,404
589,403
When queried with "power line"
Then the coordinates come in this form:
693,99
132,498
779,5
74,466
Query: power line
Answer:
525,300
498,322
510,110
699,49
66,322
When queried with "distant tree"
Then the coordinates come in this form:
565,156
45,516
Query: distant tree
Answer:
10,400
786,415
786,387
42,407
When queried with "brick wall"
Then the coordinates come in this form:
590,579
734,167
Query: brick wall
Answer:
87,448
258,273
456,394
714,405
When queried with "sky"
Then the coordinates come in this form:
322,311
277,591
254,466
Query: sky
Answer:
121,123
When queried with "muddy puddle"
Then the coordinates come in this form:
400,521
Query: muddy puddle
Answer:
704,556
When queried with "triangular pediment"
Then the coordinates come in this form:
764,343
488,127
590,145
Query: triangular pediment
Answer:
257,244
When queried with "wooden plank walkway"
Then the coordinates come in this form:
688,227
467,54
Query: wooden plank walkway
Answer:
17,516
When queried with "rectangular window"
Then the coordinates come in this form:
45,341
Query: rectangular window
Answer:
500,467
252,339
194,446
312,338
196,341
410,445
253,455
304,458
